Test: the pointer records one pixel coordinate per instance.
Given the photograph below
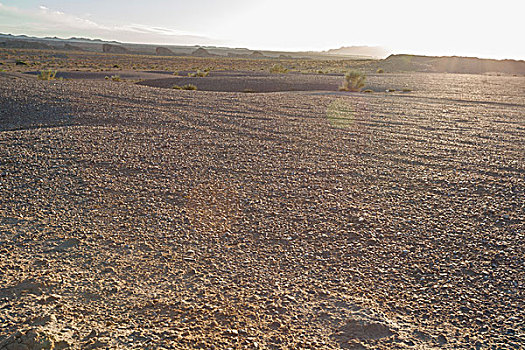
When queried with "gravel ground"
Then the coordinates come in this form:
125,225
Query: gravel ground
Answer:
134,217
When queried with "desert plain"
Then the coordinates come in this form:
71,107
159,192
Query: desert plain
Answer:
261,211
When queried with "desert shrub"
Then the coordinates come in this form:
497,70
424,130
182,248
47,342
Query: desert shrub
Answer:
47,74
407,90
115,77
198,73
278,68
20,63
353,81
185,87
248,91
380,70
368,91
116,66
106,77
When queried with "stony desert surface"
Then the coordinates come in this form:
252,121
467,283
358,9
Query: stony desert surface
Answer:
136,216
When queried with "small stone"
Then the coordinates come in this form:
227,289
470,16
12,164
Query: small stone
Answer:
231,332
92,334
275,325
67,244
441,339
43,320
62,344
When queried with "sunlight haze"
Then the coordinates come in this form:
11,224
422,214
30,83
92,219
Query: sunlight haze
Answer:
464,28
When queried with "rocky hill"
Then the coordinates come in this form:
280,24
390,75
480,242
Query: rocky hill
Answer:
446,64
163,51
110,48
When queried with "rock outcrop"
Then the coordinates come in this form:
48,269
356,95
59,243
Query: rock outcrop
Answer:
23,44
163,51
110,48
454,64
201,52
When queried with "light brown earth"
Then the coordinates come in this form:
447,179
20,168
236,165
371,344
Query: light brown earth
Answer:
136,217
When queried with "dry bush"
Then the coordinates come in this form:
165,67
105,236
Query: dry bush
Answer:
47,74
354,81
185,87
199,74
278,68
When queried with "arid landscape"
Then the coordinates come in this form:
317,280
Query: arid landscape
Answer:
261,210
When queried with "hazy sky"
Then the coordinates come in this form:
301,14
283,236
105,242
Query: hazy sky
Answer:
433,27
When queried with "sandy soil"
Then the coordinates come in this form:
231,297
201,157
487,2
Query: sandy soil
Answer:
135,217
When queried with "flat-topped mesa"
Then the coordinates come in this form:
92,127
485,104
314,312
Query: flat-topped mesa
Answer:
452,64
23,44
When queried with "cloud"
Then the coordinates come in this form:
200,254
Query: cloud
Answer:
43,21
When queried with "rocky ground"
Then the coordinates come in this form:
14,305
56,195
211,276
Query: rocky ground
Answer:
134,217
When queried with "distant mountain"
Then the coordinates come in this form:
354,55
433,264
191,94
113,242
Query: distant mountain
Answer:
110,48
368,51
163,51
201,52
70,47
393,63
25,44
90,40
257,54
451,64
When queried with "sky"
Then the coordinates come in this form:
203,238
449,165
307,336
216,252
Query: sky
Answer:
489,29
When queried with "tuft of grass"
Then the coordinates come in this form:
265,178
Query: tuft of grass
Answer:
380,70
115,78
47,74
106,77
185,87
353,81
407,90
199,74
20,63
368,91
279,69
248,91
